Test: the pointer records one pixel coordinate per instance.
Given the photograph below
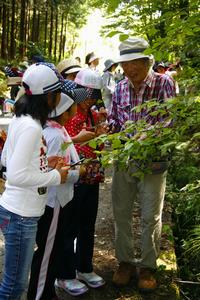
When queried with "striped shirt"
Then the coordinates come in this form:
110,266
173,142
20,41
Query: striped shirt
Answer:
125,98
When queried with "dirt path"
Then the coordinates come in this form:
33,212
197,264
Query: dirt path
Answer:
105,262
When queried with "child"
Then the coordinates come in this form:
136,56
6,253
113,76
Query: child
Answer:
49,255
24,156
82,210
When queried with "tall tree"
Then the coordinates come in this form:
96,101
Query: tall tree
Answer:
12,32
22,28
51,31
4,51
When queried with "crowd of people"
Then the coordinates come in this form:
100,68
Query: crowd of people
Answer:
52,174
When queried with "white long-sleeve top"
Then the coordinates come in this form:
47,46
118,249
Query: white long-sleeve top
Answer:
55,137
108,88
24,156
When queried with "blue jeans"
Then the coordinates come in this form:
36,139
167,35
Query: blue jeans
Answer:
19,234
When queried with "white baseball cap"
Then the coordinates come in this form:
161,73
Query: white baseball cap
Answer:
40,79
89,78
64,104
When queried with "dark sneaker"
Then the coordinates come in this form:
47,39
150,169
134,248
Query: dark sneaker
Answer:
91,279
123,274
72,286
147,282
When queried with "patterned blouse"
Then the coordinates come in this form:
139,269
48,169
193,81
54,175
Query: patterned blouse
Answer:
75,125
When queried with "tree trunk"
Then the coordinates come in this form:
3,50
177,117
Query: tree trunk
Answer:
29,23
37,34
8,32
64,37
12,32
45,27
61,37
22,28
56,33
34,21
51,32
3,39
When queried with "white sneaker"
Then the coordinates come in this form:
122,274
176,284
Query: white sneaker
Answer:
91,279
72,286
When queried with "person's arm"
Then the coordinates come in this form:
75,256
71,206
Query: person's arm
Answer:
83,136
3,155
19,172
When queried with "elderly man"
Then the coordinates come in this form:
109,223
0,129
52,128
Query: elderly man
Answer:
141,84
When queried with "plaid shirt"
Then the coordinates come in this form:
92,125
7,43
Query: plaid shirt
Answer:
125,98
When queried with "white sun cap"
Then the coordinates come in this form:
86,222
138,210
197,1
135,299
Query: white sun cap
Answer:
89,78
64,104
40,79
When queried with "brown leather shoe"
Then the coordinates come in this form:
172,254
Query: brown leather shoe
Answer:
123,274
147,281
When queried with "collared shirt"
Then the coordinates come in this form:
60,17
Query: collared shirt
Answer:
125,98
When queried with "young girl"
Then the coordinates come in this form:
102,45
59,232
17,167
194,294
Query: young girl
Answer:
24,156
50,254
77,266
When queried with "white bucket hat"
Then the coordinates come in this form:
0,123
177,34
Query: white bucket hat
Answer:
40,79
64,104
68,66
89,78
133,48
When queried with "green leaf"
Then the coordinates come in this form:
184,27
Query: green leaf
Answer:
112,33
123,37
116,144
65,145
93,144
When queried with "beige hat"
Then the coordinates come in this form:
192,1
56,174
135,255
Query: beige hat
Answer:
133,48
68,66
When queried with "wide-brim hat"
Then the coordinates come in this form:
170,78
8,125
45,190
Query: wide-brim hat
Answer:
161,64
108,64
65,103
68,66
132,48
93,57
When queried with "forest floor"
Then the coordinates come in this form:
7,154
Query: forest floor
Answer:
105,262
